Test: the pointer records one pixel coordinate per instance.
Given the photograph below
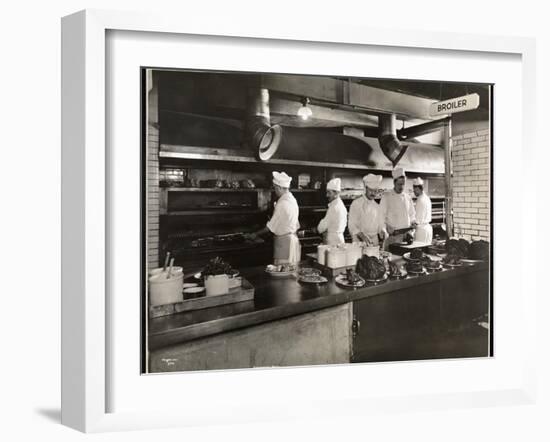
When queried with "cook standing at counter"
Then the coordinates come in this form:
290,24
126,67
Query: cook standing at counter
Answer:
423,208
284,223
332,226
397,208
366,220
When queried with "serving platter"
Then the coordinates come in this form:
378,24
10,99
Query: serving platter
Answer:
342,281
377,281
313,279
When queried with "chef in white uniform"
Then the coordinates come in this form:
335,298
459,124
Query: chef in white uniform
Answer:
423,208
397,208
284,223
366,220
332,226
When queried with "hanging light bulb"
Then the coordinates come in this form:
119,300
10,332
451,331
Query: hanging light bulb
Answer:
305,111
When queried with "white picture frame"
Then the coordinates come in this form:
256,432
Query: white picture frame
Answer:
85,308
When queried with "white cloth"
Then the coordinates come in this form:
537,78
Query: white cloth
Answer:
372,181
418,182
335,184
365,216
424,231
285,216
398,172
281,179
397,209
334,223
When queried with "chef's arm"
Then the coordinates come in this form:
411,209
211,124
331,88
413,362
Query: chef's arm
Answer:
263,231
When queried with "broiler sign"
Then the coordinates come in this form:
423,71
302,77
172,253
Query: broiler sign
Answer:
454,105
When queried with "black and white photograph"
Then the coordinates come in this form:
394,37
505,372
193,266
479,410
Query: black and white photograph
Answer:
299,220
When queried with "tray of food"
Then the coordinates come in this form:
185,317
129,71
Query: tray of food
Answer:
349,279
431,264
281,270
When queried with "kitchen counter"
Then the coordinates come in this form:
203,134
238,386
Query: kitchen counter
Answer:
279,298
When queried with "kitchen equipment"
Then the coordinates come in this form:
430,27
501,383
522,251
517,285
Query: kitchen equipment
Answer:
216,284
164,290
372,251
353,252
336,257
322,253
400,231
159,270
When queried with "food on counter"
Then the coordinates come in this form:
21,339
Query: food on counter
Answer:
457,247
308,271
352,277
417,254
396,271
217,266
370,267
479,250
430,264
415,267
312,279
452,260
281,268
349,279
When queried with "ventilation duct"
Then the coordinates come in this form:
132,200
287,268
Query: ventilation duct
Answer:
261,136
389,143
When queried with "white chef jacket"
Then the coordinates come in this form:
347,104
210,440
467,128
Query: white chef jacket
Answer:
397,209
423,209
365,216
424,231
285,216
334,222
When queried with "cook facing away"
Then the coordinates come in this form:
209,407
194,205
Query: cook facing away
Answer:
397,208
366,220
284,223
424,231
332,226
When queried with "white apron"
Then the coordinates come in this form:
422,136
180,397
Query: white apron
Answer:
286,249
424,233
333,239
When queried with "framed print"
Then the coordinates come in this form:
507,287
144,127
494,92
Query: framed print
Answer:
200,253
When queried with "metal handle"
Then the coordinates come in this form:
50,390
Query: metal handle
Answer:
355,326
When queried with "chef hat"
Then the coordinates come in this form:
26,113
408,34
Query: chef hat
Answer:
334,184
281,179
372,181
418,182
398,172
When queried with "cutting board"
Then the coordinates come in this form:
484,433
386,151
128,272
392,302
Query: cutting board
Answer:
238,294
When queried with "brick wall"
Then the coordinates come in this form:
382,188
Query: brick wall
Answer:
153,197
471,184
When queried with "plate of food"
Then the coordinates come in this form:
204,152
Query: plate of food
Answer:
419,255
193,290
430,264
308,271
312,279
281,270
415,268
397,272
371,269
350,279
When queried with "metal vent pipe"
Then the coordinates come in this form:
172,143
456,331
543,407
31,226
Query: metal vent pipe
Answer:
261,136
387,137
